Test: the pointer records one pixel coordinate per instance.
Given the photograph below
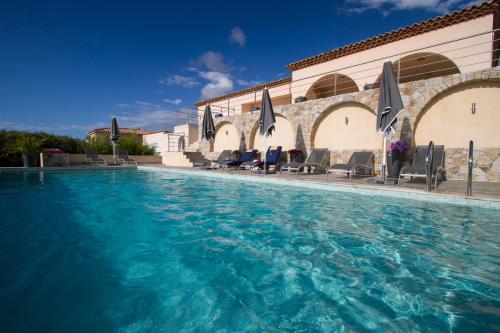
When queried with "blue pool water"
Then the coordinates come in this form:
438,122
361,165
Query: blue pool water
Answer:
142,251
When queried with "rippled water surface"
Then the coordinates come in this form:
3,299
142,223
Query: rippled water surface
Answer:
142,251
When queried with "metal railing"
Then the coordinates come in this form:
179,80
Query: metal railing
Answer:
433,60
429,161
176,142
470,164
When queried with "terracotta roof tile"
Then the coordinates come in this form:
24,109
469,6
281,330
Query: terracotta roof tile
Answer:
439,22
246,91
123,130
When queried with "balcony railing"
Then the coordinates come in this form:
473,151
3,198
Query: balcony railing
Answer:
460,55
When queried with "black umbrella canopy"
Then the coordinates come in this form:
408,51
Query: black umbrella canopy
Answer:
115,131
390,103
267,118
207,125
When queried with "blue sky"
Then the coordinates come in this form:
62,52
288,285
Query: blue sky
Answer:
67,67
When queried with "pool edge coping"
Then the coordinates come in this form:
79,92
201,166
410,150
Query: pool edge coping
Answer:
363,189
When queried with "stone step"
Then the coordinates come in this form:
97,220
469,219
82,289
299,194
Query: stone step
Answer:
193,156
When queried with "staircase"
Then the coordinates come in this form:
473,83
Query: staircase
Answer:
183,159
193,156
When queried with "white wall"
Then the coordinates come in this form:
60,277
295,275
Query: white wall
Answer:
450,121
358,132
226,137
282,136
469,55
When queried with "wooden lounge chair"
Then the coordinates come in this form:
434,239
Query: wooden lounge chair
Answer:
317,161
92,158
418,167
360,163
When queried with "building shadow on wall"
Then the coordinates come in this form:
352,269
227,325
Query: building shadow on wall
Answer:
243,145
300,142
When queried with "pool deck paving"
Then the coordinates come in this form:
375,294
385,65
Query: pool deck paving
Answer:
456,188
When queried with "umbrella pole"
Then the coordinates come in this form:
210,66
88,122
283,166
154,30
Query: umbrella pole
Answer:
384,157
265,152
114,152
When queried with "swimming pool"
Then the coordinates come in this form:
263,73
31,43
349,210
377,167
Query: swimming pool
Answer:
145,250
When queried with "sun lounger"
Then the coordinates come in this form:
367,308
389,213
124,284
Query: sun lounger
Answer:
92,158
273,156
123,157
360,162
417,168
247,156
316,160
204,163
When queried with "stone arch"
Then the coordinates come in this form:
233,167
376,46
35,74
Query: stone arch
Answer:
448,118
331,85
422,66
226,137
283,135
344,126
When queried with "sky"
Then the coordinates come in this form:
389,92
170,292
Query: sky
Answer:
69,66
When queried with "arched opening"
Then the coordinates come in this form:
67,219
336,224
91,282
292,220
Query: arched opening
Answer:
462,113
226,137
282,135
331,85
422,66
346,126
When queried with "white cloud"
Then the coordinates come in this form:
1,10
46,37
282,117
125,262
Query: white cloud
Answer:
155,119
179,80
52,128
214,61
176,101
249,83
238,36
219,84
388,6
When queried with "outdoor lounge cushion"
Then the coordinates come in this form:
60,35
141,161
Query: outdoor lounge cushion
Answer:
247,156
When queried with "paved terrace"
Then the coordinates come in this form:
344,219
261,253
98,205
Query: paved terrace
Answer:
481,190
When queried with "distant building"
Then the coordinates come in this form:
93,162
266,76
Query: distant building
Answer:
165,141
106,131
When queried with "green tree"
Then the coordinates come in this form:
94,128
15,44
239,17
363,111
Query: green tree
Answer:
133,144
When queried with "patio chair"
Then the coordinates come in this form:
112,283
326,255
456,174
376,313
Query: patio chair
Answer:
316,160
360,162
247,156
123,157
205,163
417,168
273,156
92,158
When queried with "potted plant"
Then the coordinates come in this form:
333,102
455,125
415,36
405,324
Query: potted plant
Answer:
29,146
300,99
295,155
396,149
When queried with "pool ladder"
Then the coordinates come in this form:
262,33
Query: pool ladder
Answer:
470,164
429,160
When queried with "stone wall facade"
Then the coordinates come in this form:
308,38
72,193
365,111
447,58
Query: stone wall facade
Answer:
417,96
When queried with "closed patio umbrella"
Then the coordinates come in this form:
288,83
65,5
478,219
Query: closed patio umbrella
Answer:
208,127
114,136
266,119
390,105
